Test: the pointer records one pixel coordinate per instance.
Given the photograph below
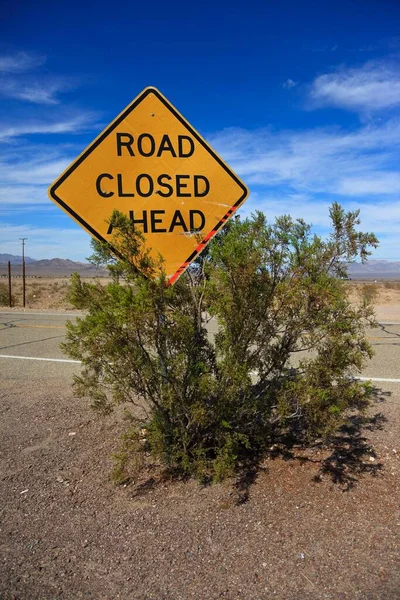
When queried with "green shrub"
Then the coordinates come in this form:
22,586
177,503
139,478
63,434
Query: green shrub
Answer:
77,293
4,296
208,403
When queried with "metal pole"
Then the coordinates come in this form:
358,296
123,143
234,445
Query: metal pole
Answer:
23,284
23,272
9,285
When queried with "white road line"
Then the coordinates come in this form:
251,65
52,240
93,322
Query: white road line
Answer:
28,313
62,360
383,379
78,362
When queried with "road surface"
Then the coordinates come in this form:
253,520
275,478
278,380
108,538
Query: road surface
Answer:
29,347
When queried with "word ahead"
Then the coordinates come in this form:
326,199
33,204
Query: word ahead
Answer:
156,221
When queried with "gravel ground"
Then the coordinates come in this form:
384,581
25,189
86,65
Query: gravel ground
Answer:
310,525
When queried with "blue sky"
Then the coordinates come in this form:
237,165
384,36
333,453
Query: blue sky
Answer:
301,98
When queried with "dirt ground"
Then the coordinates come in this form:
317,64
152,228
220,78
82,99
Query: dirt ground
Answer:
322,524
384,294
42,293
46,293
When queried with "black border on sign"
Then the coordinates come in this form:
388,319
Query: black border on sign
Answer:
106,132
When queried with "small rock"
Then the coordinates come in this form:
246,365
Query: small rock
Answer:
371,458
60,479
302,555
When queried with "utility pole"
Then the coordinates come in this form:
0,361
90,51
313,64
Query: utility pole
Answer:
23,271
9,285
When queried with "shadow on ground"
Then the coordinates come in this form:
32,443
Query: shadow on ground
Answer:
347,455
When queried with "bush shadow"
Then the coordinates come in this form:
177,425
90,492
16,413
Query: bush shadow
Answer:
349,457
350,452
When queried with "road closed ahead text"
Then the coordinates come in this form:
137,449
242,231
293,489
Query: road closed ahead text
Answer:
178,185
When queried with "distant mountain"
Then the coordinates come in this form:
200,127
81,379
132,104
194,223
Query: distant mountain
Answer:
54,267
61,263
15,260
375,269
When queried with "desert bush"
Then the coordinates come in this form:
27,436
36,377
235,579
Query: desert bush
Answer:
392,285
370,292
203,404
4,297
77,292
34,292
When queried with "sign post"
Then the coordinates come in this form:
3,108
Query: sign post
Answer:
150,164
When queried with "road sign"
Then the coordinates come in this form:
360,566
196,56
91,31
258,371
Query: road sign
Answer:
150,164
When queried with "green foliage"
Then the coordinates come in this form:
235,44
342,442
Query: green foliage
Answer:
130,457
77,293
4,298
286,346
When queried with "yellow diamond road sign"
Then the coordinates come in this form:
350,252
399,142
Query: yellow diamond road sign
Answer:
150,164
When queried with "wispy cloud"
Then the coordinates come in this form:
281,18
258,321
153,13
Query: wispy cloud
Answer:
303,172
21,80
41,172
377,184
372,87
319,160
19,62
32,155
382,217
289,84
45,242
13,196
28,167
78,123
44,92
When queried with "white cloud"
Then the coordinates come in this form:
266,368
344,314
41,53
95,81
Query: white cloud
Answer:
17,195
26,168
289,84
73,124
374,86
35,171
382,216
46,242
378,184
44,92
315,161
302,172
21,61
18,83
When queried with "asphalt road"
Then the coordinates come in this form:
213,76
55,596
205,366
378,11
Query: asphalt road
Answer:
36,335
